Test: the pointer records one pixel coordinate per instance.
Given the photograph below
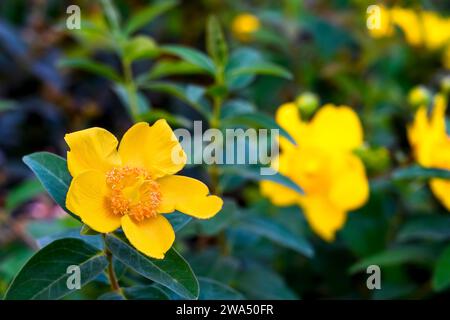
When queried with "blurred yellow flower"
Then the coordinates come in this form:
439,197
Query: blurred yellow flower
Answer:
421,28
244,25
431,145
323,164
132,186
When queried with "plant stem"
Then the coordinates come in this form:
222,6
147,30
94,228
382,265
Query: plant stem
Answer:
111,273
131,90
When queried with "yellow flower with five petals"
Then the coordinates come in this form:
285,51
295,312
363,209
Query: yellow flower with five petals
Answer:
323,164
133,184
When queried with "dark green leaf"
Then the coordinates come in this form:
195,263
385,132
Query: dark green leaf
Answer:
178,220
253,173
172,272
145,16
111,296
255,120
92,67
262,68
221,220
275,232
416,172
396,256
215,42
430,227
44,276
441,275
87,231
214,290
192,95
192,56
52,171
145,293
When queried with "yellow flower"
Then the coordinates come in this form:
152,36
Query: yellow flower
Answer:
133,185
323,164
431,145
244,25
384,29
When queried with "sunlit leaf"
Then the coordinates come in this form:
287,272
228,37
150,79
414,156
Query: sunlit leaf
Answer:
91,66
215,42
148,14
192,56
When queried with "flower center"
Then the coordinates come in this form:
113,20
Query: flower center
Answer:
133,192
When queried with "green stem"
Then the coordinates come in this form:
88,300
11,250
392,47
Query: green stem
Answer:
131,91
111,273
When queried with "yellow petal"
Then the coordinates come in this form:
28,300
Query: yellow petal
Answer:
278,194
91,149
438,117
153,236
154,148
87,199
350,186
336,128
441,189
323,217
189,196
288,117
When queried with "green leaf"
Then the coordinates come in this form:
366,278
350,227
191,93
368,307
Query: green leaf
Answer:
396,256
417,172
192,56
123,93
276,233
22,193
253,173
241,57
178,220
221,220
262,68
214,290
92,67
255,120
87,231
430,227
172,272
167,68
192,95
52,172
144,293
139,47
258,282
111,296
145,16
93,240
44,276
215,42
111,14
441,275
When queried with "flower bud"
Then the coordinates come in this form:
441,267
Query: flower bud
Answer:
419,96
307,102
445,85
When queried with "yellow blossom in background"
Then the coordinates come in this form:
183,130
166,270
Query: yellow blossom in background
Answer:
431,145
323,163
421,28
132,184
244,25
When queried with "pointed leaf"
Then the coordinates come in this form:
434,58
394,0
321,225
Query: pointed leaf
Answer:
146,15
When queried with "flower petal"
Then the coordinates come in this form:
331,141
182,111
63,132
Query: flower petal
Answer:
278,194
91,149
87,199
154,148
350,186
441,189
336,128
153,236
324,218
189,196
288,117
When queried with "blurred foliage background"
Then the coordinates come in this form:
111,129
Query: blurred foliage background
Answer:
55,81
